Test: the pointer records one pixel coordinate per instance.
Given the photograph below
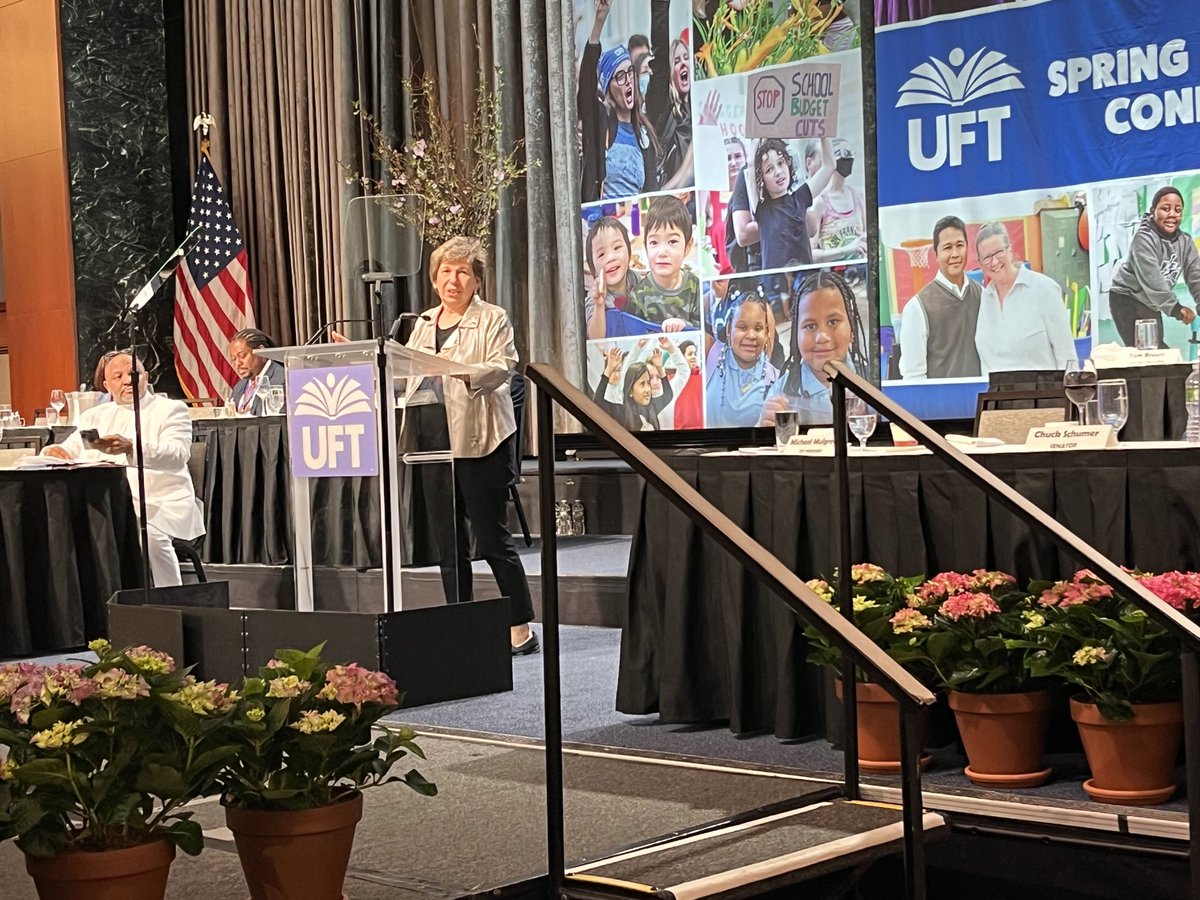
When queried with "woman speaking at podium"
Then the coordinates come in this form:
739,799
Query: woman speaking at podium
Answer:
482,426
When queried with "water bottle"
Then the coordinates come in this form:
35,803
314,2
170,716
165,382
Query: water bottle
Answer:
1191,397
562,518
578,525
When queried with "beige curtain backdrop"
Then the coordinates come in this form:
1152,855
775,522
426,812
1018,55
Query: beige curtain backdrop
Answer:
273,77
281,77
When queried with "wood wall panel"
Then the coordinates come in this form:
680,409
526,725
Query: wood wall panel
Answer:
35,226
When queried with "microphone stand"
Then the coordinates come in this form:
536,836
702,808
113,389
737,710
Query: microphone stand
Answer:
136,304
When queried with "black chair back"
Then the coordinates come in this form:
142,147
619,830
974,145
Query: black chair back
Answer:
516,389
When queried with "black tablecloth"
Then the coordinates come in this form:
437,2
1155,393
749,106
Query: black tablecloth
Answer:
247,498
1156,407
68,541
703,641
246,490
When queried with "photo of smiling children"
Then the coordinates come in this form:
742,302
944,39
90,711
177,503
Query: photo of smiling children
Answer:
647,383
827,320
640,264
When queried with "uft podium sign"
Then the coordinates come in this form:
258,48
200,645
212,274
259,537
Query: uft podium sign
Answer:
332,423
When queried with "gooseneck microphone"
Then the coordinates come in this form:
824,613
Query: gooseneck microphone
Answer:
324,329
394,332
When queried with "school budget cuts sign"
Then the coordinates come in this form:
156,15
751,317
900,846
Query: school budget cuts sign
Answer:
332,423
794,102
1035,95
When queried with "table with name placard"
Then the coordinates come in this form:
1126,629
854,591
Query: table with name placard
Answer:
704,641
68,541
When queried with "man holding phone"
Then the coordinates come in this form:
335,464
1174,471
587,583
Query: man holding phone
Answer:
105,432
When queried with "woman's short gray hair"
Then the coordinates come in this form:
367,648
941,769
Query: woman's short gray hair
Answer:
990,230
459,247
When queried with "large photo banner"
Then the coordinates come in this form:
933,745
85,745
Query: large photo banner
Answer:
1037,187
721,208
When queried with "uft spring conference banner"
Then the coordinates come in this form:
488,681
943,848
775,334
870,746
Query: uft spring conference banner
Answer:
1038,186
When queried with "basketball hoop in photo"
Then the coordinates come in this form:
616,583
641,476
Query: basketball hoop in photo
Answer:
918,261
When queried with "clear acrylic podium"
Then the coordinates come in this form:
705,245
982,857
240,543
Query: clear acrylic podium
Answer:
365,409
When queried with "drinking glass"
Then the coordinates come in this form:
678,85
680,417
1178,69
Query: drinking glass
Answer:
1112,402
861,419
787,426
1079,381
275,399
58,399
1145,334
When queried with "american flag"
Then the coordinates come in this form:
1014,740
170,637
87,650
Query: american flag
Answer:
212,292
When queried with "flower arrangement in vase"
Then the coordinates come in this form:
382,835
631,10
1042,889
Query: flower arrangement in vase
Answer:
966,627
1127,666
306,750
100,759
877,597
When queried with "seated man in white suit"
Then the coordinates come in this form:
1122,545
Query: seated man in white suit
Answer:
172,509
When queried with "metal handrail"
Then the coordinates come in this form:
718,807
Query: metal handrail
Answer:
857,649
1175,622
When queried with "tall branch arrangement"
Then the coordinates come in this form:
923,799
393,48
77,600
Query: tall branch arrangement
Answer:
460,173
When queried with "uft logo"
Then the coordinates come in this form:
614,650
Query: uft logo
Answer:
956,83
332,399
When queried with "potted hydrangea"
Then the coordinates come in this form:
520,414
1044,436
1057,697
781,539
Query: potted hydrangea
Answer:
1127,667
878,597
306,750
99,760
967,626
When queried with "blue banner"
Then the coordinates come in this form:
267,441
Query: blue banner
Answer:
1036,95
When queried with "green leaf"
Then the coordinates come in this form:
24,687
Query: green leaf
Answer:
162,781
187,835
42,772
418,783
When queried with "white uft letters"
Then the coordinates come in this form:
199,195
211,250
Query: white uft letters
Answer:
953,132
323,444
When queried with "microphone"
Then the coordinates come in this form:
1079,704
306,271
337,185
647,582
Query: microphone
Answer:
394,333
325,328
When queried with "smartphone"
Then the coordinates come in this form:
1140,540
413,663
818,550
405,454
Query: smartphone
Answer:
89,435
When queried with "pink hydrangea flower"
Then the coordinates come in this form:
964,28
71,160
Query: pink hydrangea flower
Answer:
863,573
968,605
943,585
908,620
984,580
356,685
66,680
1180,589
1072,593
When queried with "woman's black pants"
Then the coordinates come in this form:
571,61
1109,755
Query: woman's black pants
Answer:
481,496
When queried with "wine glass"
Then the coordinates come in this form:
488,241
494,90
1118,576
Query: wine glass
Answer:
58,399
1079,381
274,400
861,419
1112,402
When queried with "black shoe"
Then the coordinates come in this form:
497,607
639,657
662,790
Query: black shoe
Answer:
530,646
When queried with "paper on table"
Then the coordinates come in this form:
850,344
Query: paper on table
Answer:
34,461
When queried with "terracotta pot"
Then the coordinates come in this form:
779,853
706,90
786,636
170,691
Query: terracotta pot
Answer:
135,873
296,854
879,729
1131,761
1004,736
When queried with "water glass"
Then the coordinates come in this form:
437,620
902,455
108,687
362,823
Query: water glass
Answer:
1079,382
274,400
787,426
1145,334
861,419
58,399
1112,403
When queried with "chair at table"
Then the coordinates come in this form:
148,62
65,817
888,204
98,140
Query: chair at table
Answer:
1051,401
517,390
189,551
